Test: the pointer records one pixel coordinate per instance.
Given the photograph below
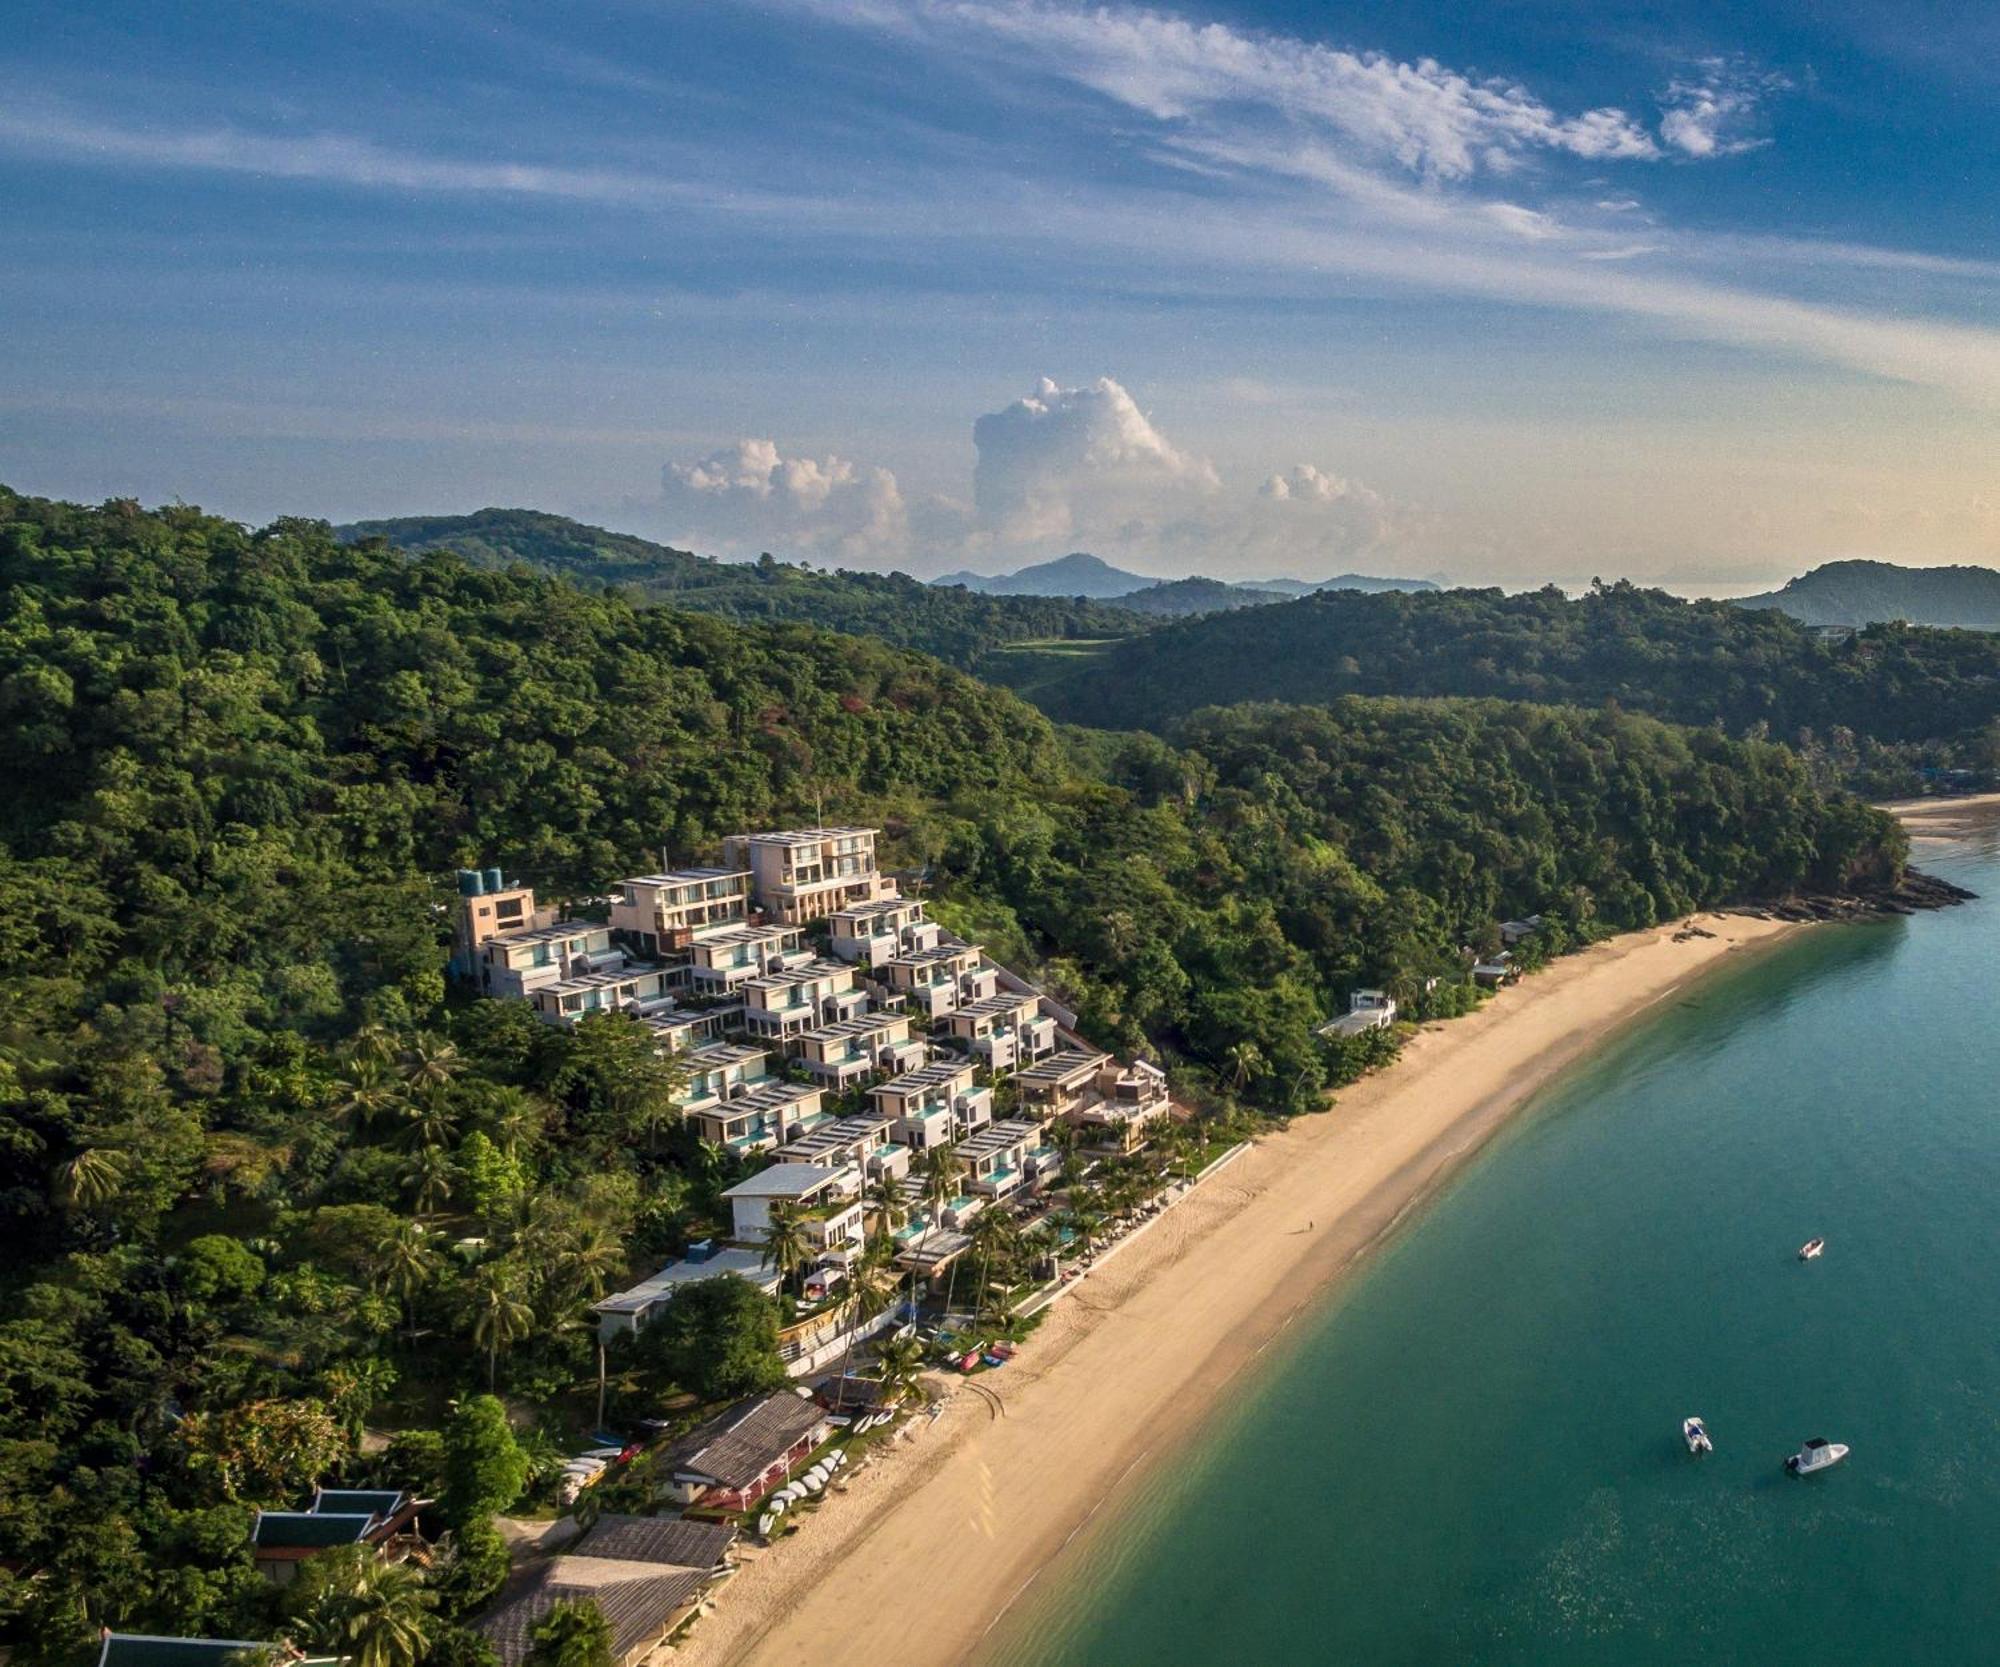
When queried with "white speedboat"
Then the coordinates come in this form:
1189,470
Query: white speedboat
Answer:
1809,1251
1817,1454
1695,1433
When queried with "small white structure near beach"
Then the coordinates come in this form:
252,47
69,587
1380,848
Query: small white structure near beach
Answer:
1366,1010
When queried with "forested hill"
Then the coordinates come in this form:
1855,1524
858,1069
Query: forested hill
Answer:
1873,592
241,1120
957,626
1692,662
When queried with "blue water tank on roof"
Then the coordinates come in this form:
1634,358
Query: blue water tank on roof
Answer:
493,880
470,883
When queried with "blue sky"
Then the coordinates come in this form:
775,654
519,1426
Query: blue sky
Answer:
1701,295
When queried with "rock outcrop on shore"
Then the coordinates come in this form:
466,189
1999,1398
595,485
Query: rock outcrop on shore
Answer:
1914,892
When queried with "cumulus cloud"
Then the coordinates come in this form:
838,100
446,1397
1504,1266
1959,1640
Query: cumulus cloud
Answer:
1068,460
750,497
1064,468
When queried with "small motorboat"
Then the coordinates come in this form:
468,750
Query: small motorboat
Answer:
1810,1250
1817,1454
764,1524
1695,1433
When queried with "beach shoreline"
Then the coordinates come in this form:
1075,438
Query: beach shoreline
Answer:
930,1549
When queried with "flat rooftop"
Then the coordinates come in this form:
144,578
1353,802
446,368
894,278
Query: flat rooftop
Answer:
992,1007
786,1180
558,933
997,1137
746,1264
1062,1070
805,836
847,1030
811,973
716,1056
832,1137
608,979
687,877
730,936
931,957
881,906
939,1074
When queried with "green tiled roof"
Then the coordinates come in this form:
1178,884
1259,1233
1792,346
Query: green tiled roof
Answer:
308,1530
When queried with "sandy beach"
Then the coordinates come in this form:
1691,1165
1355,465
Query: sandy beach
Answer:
928,1548
1931,821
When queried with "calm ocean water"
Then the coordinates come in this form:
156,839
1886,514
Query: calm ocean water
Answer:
1474,1454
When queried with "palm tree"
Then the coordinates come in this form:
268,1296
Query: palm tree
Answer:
1246,1063
885,1204
901,1359
372,1613
942,1168
518,1119
93,1177
585,1264
785,1246
429,1120
500,1318
430,1062
404,1263
365,1093
373,1043
992,1232
429,1173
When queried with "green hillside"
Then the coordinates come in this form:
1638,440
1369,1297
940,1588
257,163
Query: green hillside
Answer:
957,626
1876,592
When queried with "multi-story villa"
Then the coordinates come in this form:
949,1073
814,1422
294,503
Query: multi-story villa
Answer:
765,1115
511,964
782,1005
853,1050
721,963
877,932
719,1071
636,988
937,980
1006,1156
804,874
1003,1031
825,1199
663,913
867,1143
934,1105
487,908
1114,1102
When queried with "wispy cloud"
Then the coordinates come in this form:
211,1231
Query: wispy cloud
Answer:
1713,113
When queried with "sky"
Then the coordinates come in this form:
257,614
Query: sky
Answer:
1500,292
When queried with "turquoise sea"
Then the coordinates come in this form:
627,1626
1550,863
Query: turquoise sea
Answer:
1473,1454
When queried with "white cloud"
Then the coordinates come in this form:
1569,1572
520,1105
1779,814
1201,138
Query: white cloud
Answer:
1066,462
1065,468
749,497
1713,114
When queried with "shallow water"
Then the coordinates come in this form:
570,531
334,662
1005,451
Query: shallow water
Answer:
1473,1454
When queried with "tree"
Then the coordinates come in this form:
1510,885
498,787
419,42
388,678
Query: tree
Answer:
885,1205
786,1247
717,1338
500,1315
371,1612
218,1269
405,1262
474,1567
574,1633
265,1452
901,1360
92,1178
484,1467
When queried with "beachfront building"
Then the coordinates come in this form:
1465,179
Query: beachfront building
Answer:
871,933
824,1198
721,963
639,1305
661,915
646,1576
1003,1031
385,1519
735,1459
783,1005
805,874
866,1143
934,1105
1494,970
935,981
1112,1104
766,1115
1366,1010
849,1051
998,1160
1516,932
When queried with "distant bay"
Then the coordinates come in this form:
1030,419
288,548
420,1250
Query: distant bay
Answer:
1472,1455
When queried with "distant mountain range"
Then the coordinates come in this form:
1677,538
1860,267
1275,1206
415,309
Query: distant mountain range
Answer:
1868,592
1081,574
